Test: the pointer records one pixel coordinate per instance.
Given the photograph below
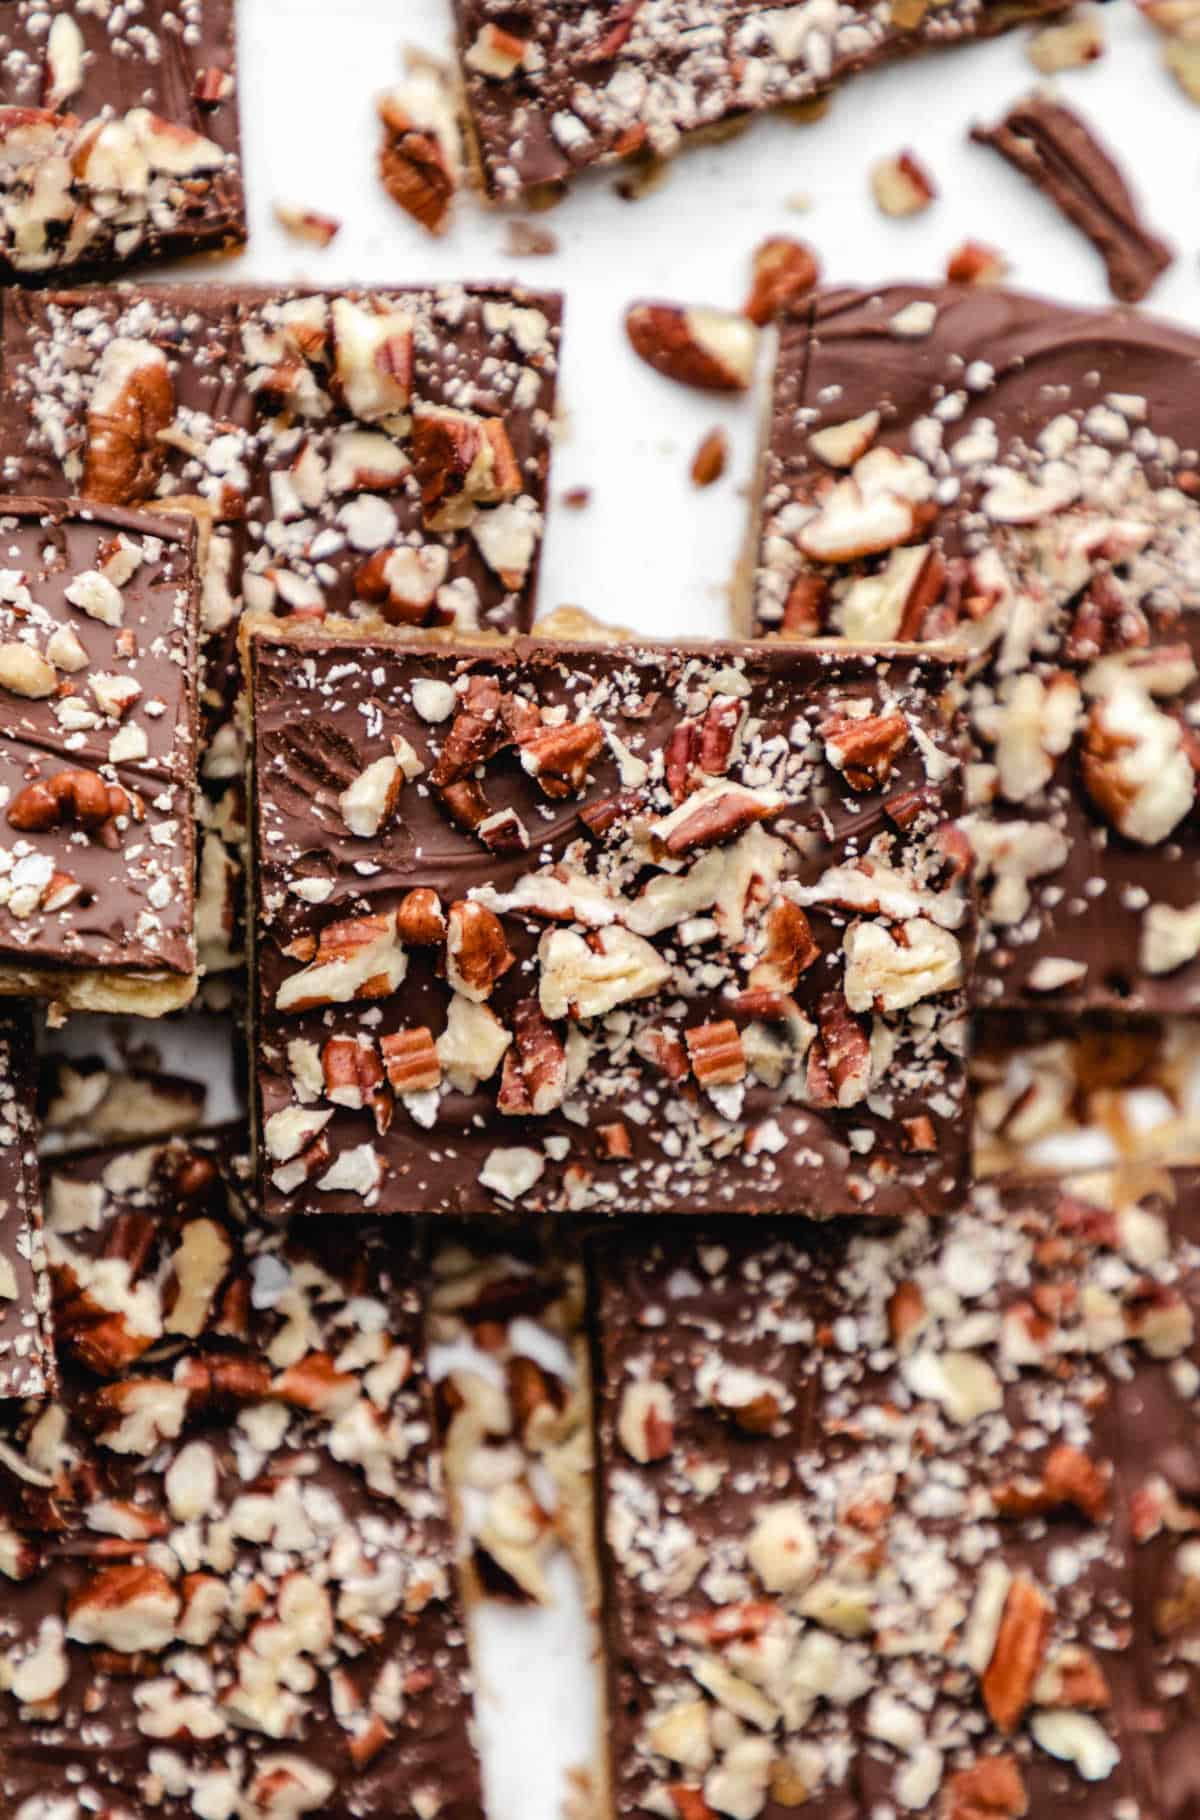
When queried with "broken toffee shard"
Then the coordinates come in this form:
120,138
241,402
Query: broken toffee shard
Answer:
590,928
98,710
118,135
552,89
901,1518
1019,477
230,1577
382,454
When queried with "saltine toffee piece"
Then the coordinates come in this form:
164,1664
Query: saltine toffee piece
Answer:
596,929
1059,153
98,610
372,453
1050,1093
27,1366
515,1409
118,135
1019,477
552,89
901,1519
229,1580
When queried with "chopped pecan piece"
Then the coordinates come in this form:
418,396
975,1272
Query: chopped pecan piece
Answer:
991,1789
477,950
790,949
864,751
558,757
702,348
540,1057
1069,1480
716,1052
839,1062
419,920
784,271
461,461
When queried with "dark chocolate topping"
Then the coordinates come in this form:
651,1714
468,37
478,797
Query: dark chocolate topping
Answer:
1059,152
658,887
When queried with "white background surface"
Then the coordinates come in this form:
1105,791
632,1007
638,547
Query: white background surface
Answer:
650,551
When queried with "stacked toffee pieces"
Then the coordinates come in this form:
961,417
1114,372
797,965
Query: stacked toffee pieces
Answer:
895,1491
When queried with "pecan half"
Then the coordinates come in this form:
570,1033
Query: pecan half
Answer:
79,797
1016,1660
132,404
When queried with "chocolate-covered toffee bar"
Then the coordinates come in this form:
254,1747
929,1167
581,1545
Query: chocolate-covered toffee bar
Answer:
606,929
553,86
1023,477
230,1579
26,1341
119,134
900,1519
98,696
365,452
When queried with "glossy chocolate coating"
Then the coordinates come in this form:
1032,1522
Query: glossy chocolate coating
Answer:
277,1497
978,385
798,1370
324,710
577,86
176,62
1057,150
116,898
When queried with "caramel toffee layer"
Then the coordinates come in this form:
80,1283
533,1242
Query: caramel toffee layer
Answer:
97,739
572,928
26,1347
901,1519
229,1577
368,453
1020,477
118,134
553,88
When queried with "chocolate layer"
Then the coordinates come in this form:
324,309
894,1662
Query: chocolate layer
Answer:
381,454
585,928
230,1579
898,1519
1021,477
98,614
553,88
26,1341
1058,151
119,128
